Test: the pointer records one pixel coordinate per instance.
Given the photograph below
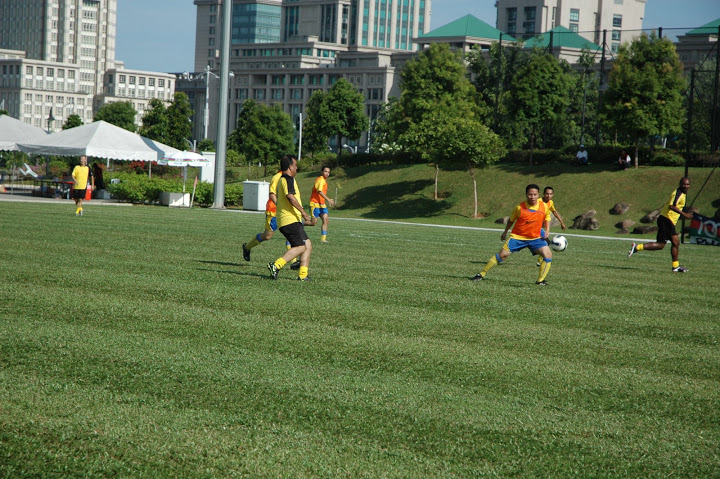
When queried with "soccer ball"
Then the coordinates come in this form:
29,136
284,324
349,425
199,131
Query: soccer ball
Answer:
558,243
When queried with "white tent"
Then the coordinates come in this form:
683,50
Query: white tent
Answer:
14,131
100,140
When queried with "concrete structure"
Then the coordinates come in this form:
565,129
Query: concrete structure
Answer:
527,18
57,57
699,44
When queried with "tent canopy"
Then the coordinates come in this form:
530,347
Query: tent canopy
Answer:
100,140
14,131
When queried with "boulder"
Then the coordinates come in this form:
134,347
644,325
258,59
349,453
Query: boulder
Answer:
641,230
650,217
502,221
623,231
625,224
586,221
619,209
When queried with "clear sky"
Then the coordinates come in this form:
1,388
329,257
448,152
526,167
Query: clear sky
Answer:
162,37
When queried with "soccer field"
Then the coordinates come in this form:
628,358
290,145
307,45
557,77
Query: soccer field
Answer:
135,341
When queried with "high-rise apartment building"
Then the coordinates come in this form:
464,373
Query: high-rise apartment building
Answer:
57,55
622,19
283,51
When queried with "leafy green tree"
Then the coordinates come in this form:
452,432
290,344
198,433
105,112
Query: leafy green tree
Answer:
73,121
342,112
120,114
4,112
314,138
179,115
206,144
263,133
538,96
644,95
469,142
155,121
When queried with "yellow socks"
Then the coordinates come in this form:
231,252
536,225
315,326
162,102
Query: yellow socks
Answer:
640,247
303,272
253,243
279,263
489,265
544,269
676,264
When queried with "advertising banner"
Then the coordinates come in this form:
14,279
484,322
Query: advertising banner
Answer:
704,230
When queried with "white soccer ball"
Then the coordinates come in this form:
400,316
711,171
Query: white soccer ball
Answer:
558,243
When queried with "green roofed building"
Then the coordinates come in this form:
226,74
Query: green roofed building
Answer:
464,33
697,44
564,44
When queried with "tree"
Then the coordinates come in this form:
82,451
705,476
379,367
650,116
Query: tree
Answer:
314,138
73,121
179,121
644,95
435,89
155,121
206,144
262,132
120,114
470,143
4,112
342,113
538,96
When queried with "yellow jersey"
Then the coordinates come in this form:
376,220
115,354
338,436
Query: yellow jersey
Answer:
677,198
286,212
80,175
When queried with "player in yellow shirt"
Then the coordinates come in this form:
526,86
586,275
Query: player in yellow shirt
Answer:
319,201
547,198
290,214
270,221
81,174
669,215
528,218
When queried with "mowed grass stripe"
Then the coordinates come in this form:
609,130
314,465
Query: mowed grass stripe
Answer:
391,363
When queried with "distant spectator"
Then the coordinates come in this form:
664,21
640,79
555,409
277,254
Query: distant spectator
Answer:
98,174
582,156
624,160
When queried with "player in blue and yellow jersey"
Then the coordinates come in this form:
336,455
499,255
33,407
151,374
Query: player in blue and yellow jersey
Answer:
290,214
547,198
82,176
319,201
528,218
669,215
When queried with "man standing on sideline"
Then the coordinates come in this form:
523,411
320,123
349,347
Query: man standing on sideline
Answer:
318,199
529,218
666,226
80,174
290,213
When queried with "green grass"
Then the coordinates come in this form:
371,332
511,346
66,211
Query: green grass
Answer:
136,342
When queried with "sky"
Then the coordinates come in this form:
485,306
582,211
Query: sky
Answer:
162,38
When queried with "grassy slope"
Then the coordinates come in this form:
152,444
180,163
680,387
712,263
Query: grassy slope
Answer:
405,193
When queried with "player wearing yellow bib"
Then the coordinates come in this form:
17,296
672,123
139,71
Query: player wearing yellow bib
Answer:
289,215
80,174
528,219
669,215
319,201
547,198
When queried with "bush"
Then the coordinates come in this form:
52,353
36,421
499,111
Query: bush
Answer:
58,169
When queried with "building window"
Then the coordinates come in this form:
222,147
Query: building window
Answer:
151,82
617,21
132,80
574,27
529,27
512,14
121,78
574,14
530,13
161,83
618,2
212,31
212,19
616,35
614,47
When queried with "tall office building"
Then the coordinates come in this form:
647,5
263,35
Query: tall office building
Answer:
526,18
57,57
283,51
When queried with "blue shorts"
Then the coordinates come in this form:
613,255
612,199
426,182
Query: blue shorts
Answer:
513,245
270,223
318,212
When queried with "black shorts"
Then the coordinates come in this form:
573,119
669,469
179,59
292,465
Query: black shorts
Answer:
79,194
295,234
666,229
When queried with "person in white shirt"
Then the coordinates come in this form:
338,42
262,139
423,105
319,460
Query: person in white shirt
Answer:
582,156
